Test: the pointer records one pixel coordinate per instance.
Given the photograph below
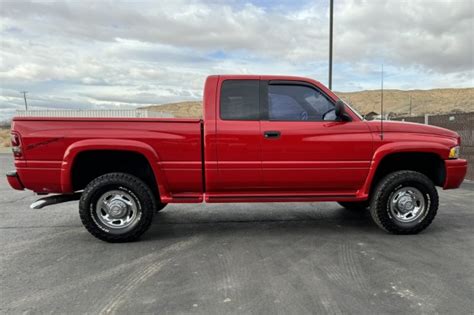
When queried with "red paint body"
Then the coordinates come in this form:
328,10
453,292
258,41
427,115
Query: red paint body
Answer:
311,161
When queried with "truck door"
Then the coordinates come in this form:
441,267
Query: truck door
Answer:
238,142
304,149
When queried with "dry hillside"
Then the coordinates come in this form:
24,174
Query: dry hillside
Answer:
4,138
434,101
180,110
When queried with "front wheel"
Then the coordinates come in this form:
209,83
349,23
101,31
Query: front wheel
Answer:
117,207
404,202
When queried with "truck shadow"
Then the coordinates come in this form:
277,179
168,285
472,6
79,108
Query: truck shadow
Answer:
259,219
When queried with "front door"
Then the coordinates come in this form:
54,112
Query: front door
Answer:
305,149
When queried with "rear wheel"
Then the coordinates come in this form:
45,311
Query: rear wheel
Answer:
355,206
404,202
117,207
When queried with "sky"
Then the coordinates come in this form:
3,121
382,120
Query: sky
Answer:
125,54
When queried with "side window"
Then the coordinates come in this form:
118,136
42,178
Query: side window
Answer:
298,102
240,100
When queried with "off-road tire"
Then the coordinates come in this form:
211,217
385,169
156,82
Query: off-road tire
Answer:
380,207
355,206
135,187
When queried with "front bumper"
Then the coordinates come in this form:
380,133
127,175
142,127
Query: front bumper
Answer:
14,180
455,171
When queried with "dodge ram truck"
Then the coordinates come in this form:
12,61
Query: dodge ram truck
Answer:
261,139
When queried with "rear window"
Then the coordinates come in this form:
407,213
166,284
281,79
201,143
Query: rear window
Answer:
240,100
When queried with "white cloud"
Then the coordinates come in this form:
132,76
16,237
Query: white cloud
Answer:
434,35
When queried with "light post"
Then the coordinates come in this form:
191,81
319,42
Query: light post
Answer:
331,13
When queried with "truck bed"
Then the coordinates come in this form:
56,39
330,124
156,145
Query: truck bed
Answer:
174,145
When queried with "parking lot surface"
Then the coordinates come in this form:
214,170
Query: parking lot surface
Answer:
274,258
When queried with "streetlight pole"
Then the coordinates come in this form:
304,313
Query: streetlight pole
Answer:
331,13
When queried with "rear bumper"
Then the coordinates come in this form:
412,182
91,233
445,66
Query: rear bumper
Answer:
14,181
455,172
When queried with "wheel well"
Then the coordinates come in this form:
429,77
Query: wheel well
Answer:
429,164
89,165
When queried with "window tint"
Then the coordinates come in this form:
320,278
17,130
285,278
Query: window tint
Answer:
240,100
298,102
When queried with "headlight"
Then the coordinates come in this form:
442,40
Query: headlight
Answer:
454,152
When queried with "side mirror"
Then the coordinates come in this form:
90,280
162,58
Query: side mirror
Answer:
340,111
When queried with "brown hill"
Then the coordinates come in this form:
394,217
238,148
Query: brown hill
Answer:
191,109
436,101
4,138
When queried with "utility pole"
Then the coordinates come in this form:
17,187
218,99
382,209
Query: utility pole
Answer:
331,13
24,97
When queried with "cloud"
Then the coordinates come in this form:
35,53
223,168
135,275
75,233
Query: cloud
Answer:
90,54
433,35
195,25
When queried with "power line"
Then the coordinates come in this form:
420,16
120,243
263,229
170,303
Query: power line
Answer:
24,97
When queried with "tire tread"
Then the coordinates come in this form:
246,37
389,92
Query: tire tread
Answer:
378,205
138,187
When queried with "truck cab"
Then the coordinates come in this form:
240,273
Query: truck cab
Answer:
280,137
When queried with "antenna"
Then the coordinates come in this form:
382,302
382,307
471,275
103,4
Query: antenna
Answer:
24,97
381,106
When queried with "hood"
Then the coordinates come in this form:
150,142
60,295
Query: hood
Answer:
408,127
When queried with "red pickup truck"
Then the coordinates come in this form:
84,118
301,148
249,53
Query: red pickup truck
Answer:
262,139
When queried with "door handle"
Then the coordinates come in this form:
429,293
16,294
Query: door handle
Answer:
272,134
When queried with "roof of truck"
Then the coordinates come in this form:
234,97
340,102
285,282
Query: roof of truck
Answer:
264,77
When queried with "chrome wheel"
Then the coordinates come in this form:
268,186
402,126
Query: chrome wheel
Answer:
407,204
117,209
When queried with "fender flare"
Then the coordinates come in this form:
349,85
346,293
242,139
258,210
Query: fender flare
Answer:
111,145
396,147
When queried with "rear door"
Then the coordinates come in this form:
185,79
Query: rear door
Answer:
239,138
304,149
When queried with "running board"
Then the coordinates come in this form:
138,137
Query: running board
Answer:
52,200
278,198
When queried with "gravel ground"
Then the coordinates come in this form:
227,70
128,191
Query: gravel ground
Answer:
274,258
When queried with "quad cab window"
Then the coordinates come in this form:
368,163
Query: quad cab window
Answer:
240,100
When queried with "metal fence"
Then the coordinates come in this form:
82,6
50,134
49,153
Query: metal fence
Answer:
129,113
462,123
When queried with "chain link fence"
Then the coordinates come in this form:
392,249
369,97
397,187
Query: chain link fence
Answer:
462,123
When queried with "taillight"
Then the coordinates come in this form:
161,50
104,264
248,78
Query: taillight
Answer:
16,145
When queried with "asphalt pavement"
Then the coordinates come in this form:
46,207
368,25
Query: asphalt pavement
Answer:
273,258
